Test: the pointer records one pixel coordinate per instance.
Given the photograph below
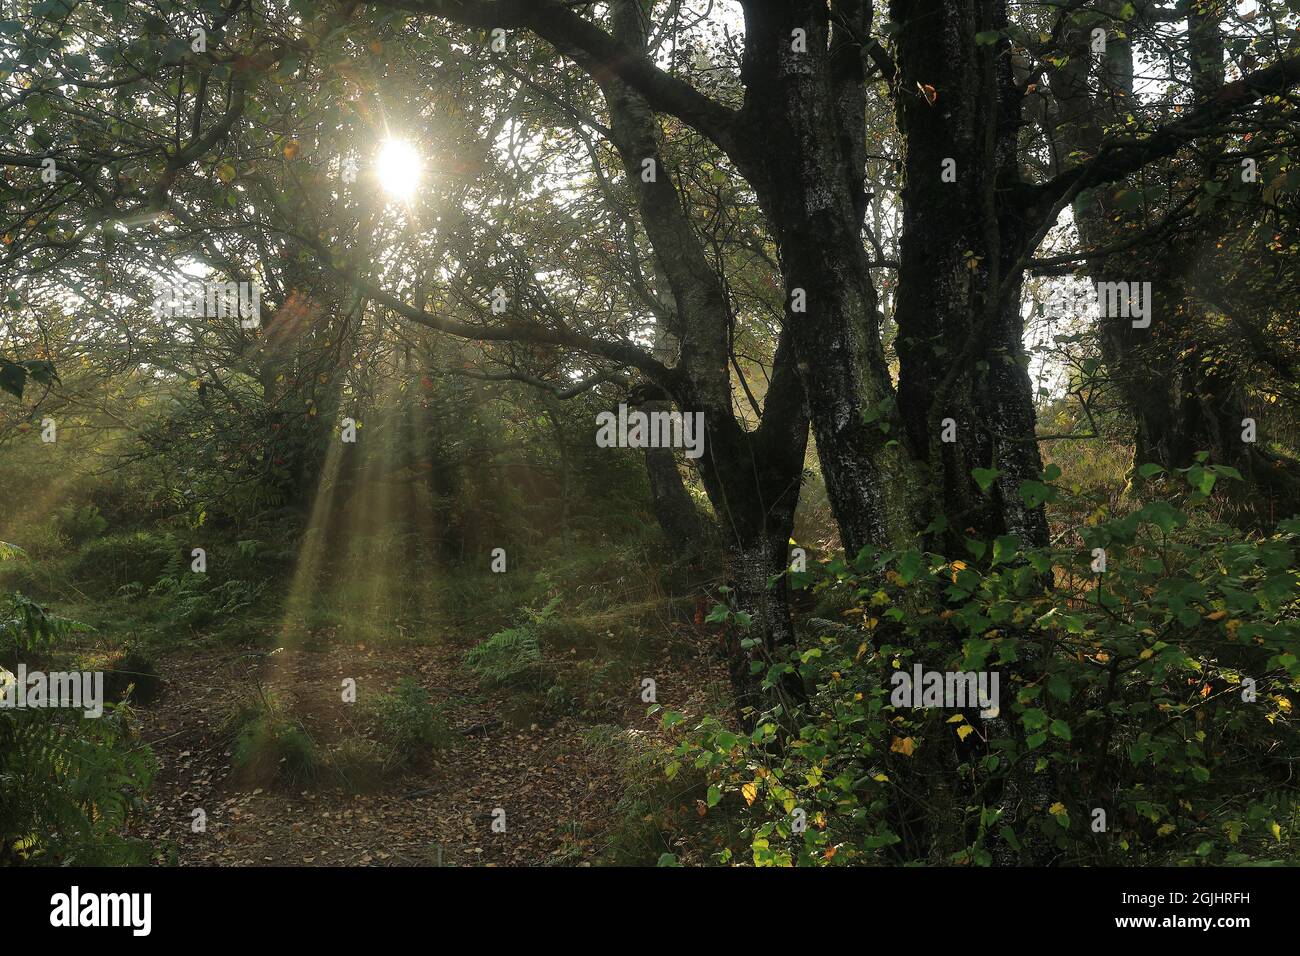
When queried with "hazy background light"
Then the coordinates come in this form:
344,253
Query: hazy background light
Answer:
398,167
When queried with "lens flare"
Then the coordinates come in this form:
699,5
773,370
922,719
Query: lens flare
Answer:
398,169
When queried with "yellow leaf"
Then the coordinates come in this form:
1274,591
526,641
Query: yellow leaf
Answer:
1216,616
1165,830
749,792
1147,652
964,731
956,719
903,745
881,778
1056,809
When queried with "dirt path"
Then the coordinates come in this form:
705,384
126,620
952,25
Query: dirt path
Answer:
559,799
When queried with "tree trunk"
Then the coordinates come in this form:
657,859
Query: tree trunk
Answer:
889,474
1181,402
752,477
762,557
673,506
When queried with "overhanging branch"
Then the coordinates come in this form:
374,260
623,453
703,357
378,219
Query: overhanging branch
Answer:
595,50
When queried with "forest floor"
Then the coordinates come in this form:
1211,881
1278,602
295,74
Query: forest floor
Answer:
560,795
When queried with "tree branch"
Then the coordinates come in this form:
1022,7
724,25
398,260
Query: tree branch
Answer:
595,51
1117,159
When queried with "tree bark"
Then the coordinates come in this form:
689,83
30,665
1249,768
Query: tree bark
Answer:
1181,403
752,477
673,506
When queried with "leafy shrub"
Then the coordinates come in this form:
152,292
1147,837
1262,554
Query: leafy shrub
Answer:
67,783
67,786
591,689
270,745
409,728
513,656
1160,692
654,814
194,601
78,524
103,565
26,627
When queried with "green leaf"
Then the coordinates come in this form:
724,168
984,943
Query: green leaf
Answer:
984,477
718,615
1005,547
1164,515
987,37
909,565
1033,718
1202,479
1058,685
12,377
174,52
1034,493
38,109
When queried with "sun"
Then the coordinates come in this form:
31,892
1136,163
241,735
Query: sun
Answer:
398,168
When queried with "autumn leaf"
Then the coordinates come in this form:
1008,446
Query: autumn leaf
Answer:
903,745
750,793
291,150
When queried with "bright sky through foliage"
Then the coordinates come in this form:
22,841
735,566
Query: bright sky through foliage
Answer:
398,167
